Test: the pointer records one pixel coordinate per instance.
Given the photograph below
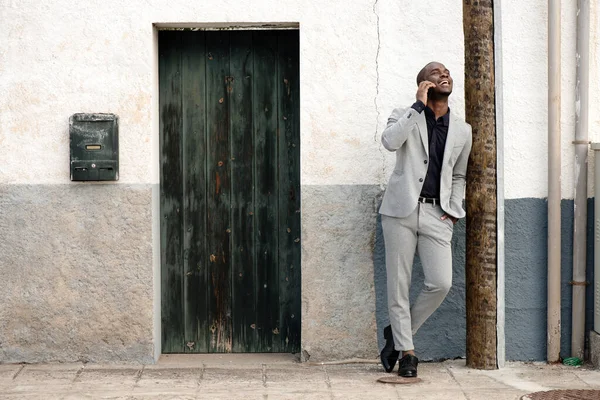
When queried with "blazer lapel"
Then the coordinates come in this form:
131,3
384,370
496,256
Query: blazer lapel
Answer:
450,138
422,124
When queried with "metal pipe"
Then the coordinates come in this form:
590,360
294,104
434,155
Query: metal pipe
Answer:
581,168
554,181
500,255
596,148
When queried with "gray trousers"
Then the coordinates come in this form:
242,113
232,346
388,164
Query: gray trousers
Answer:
424,232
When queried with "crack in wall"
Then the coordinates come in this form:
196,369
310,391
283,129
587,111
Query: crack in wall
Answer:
383,169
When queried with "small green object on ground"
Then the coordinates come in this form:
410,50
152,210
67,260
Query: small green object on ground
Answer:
573,361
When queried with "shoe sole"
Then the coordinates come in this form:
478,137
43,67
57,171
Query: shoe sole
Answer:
409,375
383,364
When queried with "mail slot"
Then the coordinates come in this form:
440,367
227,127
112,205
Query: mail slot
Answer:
94,147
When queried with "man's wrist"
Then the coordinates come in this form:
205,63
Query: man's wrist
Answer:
418,106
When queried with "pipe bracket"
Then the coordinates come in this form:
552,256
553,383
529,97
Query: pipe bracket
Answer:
574,283
586,142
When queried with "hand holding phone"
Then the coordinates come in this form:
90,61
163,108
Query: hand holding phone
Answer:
423,90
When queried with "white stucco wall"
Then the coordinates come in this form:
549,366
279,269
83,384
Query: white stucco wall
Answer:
525,88
57,59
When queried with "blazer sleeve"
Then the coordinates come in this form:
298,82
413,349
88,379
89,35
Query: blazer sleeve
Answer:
459,173
399,125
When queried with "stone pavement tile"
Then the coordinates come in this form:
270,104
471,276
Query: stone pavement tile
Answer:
377,391
215,379
96,395
589,376
45,392
8,371
351,376
49,372
164,394
552,377
534,377
106,378
31,396
494,394
297,394
299,366
232,394
434,375
53,378
302,396
378,395
430,394
290,394
510,378
237,361
313,377
169,381
473,379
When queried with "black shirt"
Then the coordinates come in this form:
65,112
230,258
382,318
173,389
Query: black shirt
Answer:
437,131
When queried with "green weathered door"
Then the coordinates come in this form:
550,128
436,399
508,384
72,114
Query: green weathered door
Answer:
230,191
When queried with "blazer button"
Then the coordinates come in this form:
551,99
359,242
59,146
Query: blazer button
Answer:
420,179
425,161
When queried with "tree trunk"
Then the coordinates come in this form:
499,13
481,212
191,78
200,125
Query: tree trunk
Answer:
478,22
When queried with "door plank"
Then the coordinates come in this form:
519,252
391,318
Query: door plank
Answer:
218,190
230,191
266,183
171,191
289,190
195,259
242,196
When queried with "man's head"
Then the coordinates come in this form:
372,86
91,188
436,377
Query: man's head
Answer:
438,74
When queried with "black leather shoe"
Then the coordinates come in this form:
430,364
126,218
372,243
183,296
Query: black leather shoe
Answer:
388,355
408,366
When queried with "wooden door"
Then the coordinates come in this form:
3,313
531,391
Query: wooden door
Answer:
230,191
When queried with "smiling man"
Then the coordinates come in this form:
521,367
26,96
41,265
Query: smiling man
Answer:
422,202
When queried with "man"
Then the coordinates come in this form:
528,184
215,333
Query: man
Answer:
422,203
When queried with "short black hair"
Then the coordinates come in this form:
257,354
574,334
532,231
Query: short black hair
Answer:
421,74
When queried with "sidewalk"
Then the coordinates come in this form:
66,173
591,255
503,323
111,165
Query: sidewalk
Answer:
280,377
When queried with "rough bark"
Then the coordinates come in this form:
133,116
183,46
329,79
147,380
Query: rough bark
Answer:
481,199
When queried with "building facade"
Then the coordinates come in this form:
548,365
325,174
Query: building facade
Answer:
84,264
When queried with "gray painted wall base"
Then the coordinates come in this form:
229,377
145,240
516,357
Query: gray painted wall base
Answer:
526,276
338,295
76,268
76,263
595,349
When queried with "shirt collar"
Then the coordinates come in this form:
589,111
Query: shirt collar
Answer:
445,118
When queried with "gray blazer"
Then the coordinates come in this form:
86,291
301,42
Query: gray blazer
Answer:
406,134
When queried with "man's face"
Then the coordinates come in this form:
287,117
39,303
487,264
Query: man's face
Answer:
437,73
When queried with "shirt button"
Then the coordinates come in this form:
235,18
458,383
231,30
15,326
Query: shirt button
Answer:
425,161
420,179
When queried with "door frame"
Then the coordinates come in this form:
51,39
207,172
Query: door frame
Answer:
155,149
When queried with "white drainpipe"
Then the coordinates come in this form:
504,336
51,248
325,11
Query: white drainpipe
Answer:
580,196
554,178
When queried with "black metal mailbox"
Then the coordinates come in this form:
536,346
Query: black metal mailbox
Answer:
94,147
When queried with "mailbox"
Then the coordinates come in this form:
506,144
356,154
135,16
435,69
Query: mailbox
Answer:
94,147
